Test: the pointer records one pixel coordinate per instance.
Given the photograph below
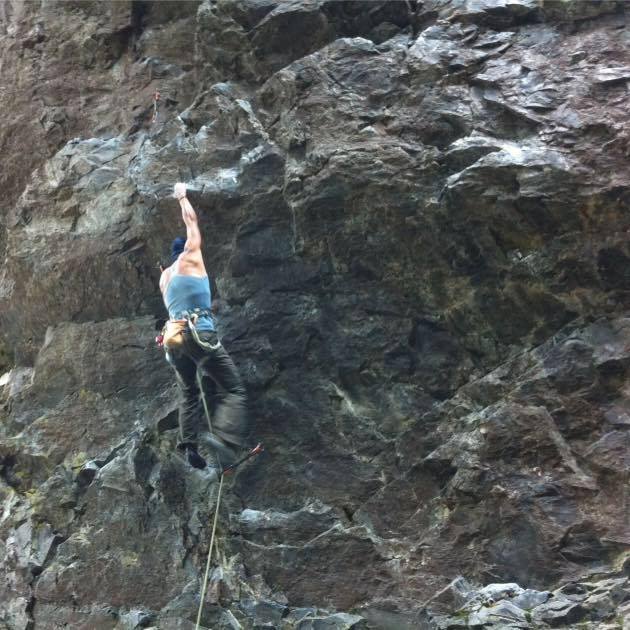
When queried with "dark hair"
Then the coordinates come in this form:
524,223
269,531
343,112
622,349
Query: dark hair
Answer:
177,247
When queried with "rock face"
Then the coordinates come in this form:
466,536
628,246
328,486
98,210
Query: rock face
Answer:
416,219
587,605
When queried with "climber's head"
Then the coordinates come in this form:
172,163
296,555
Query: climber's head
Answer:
177,247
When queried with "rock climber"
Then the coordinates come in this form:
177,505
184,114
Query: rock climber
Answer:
192,345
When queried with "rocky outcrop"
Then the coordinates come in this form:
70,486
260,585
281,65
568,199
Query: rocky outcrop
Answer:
415,215
598,603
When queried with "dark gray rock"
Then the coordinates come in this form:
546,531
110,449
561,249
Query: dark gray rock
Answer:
454,596
559,612
415,219
611,452
338,621
264,613
529,599
504,614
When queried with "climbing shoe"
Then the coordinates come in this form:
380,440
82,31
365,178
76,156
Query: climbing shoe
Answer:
226,453
192,456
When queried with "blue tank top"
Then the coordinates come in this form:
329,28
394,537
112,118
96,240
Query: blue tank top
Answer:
185,293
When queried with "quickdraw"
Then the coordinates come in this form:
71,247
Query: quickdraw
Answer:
156,98
257,450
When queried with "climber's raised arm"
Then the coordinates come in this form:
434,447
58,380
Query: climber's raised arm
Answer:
193,235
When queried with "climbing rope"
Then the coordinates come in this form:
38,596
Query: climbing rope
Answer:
221,470
207,573
218,505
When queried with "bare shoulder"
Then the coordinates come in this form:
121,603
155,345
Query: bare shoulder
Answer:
191,263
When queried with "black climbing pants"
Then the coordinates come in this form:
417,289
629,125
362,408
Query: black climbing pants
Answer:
222,387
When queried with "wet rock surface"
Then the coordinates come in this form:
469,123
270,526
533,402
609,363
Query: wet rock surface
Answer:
415,215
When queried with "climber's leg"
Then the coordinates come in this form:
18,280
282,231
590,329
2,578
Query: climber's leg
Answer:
230,419
229,424
185,375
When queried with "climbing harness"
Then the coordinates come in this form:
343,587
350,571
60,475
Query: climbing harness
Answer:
192,321
156,98
172,335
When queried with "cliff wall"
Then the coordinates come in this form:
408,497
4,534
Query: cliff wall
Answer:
416,219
